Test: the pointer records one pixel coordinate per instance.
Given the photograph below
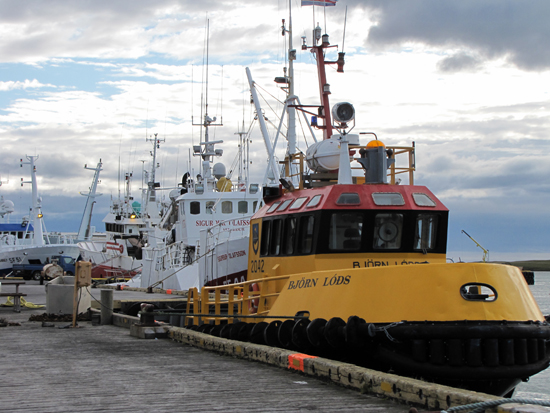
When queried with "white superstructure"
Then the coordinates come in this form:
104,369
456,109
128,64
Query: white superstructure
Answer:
29,242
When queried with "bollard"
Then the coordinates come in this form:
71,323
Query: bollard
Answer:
106,307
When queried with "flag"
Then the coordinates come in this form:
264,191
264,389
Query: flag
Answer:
319,2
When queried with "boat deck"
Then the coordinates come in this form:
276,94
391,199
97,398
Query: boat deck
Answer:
103,368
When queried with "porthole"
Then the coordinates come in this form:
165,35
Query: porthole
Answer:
478,292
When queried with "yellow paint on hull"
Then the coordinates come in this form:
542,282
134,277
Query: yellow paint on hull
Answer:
301,264
422,292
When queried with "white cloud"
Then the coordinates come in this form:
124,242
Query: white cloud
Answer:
26,84
106,76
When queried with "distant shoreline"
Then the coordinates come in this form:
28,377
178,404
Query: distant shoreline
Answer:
534,265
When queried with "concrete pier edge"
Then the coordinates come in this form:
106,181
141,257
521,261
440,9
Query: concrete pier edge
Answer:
401,389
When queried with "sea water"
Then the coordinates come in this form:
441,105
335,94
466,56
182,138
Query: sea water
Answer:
538,385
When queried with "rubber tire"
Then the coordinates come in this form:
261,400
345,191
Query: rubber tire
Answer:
36,276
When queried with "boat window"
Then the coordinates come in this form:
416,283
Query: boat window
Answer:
306,234
273,207
209,207
289,236
425,233
195,208
284,205
423,200
387,231
298,203
254,206
314,201
348,198
388,198
345,231
242,207
227,207
266,234
275,243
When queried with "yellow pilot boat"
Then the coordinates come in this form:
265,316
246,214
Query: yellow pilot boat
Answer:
354,268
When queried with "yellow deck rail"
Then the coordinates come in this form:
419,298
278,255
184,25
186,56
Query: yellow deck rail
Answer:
227,302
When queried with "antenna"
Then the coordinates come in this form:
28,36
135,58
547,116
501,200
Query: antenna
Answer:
206,82
147,121
344,35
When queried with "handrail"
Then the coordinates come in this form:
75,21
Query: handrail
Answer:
236,296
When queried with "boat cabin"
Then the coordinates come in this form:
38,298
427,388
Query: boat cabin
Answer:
11,233
220,211
365,225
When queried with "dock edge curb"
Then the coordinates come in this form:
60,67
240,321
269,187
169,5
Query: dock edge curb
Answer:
401,389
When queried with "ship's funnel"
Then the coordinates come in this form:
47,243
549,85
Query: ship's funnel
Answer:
375,160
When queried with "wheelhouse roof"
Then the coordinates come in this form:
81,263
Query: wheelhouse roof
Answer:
15,227
328,197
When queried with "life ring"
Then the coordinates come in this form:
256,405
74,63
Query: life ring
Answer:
254,302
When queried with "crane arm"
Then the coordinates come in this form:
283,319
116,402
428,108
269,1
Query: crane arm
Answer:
485,252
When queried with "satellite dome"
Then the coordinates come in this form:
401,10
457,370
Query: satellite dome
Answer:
218,170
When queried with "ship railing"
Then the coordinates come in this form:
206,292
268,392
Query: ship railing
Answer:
172,256
247,301
179,256
407,166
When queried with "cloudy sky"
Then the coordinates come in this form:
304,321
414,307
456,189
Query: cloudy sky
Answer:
466,80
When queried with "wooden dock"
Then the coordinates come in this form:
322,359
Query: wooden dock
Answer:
103,368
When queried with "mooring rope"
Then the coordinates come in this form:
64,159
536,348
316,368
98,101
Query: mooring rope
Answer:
480,407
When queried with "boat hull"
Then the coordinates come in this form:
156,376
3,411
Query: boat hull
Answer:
421,321
109,259
21,254
474,326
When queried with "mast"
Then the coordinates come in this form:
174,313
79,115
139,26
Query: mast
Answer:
84,230
324,88
36,212
151,197
206,149
243,156
263,127
291,135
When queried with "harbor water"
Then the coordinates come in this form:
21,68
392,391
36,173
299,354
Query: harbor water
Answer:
539,385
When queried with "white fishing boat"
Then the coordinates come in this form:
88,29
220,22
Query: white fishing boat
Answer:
208,238
127,228
29,241
207,242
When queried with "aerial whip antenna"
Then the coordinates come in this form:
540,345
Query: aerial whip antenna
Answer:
344,35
